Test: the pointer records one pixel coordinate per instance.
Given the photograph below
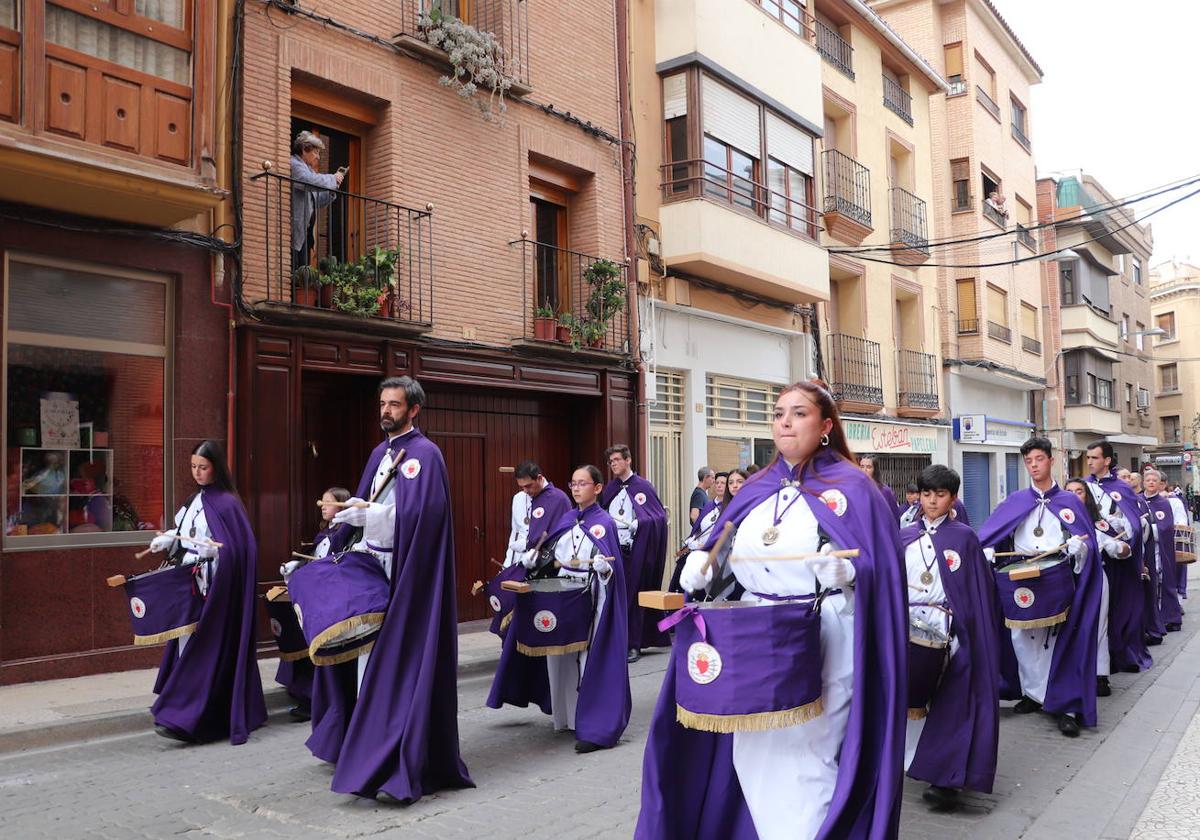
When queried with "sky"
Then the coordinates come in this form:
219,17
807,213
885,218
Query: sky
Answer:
1120,99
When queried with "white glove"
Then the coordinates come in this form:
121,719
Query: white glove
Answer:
516,546
351,514
1074,546
529,559
380,526
287,568
162,542
989,554
691,578
1116,549
206,551
833,572
601,566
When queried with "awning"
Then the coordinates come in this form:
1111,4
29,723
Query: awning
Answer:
1134,440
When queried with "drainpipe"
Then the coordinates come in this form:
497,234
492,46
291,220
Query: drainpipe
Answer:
222,214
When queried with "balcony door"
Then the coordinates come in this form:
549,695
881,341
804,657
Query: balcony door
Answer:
550,232
338,226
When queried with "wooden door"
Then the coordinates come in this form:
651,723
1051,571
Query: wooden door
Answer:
464,455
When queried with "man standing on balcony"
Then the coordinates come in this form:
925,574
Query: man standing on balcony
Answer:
310,191
641,521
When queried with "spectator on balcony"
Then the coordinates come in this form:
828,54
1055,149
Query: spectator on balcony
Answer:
995,200
310,191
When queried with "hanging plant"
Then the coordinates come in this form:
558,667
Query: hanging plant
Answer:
477,60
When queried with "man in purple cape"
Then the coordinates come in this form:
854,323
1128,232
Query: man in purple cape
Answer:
1126,604
641,519
689,787
402,737
212,689
1051,668
956,742
1162,517
1152,619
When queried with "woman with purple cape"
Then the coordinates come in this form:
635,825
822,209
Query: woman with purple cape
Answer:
838,773
208,685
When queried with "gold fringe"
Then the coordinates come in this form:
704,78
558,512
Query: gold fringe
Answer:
331,633
553,650
1184,557
159,638
918,714
1037,622
757,722
344,656
507,620
293,656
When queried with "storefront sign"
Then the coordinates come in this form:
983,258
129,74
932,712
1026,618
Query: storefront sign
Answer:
971,428
979,428
865,436
1169,459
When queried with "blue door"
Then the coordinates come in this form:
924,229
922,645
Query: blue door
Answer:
977,486
1012,472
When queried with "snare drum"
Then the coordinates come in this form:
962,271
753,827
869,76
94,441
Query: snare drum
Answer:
163,604
554,617
340,602
1037,594
284,626
1185,544
928,650
747,666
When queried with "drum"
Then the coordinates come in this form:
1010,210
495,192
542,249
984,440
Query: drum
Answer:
340,602
284,626
163,604
745,666
554,617
928,650
501,601
1185,544
1036,594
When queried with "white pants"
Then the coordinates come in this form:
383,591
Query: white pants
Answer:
1035,650
1103,663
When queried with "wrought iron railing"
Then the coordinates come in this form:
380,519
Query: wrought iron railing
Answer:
359,255
506,20
917,377
1026,238
1020,137
835,49
897,99
589,296
909,224
999,331
994,215
793,16
987,102
1031,344
855,373
968,326
686,179
847,187
957,86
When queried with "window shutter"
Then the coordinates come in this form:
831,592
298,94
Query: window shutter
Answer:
674,96
967,311
731,117
954,61
789,144
1028,321
960,169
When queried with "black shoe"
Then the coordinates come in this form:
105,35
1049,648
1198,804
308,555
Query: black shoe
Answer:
300,713
1174,627
1025,706
1068,726
1152,641
633,656
941,798
1131,669
172,733
1103,689
588,747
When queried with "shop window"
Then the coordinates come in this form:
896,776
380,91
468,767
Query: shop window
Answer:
85,363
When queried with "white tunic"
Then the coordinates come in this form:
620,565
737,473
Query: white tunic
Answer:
1109,510
909,516
788,775
191,522
1103,658
624,513
522,506
705,531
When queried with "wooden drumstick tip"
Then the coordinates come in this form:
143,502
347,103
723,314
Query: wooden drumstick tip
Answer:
142,554
668,601
116,580
477,587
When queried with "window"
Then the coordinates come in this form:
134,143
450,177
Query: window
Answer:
960,178
1171,430
675,91
1128,398
1028,321
1137,271
954,68
789,12
1066,281
1139,335
1073,389
1168,377
667,408
740,402
85,423
997,301
1104,396
1166,323
1125,328
789,178
1020,128
987,77
968,311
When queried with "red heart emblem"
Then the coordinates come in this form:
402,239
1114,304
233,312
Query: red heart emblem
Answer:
831,504
702,665
545,622
1024,599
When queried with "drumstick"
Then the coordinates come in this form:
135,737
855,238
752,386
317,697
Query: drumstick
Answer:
476,587
716,549
497,562
304,556
1041,556
580,562
391,473
142,554
918,588
193,540
812,555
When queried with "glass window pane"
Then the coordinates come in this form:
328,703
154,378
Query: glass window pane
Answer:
168,11
777,183
120,46
8,13
743,180
716,161
728,403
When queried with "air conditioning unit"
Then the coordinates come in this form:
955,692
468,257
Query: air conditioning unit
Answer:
1143,398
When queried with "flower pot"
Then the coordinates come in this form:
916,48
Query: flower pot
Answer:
326,296
304,295
562,333
596,343
543,329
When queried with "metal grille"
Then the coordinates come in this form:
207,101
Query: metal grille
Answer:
835,49
917,375
740,403
897,99
847,187
908,220
665,472
855,371
667,408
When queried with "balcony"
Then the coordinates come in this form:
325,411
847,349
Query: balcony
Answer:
916,384
999,332
1019,135
968,326
987,102
897,99
1026,238
1031,345
506,20
910,239
993,215
847,197
957,86
835,49
575,283
1093,420
1083,326
855,373
370,268
734,231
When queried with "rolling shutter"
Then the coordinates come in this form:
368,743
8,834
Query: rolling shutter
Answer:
789,145
977,485
731,117
674,96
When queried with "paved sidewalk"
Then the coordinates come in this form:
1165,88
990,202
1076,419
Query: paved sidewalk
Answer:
1173,812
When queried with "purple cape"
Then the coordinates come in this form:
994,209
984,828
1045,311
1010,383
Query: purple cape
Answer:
297,676
213,690
708,508
961,735
1126,605
686,773
1152,620
402,737
1071,686
1168,589
547,508
645,560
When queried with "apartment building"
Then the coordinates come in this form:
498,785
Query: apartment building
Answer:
989,286
116,339
1175,309
1097,321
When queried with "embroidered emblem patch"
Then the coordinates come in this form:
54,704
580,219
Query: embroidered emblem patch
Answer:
640,498
411,468
953,561
704,663
138,607
538,513
1067,515
1024,597
835,500
276,628
598,531
494,602
545,621
1115,495
1160,514
299,615
1102,525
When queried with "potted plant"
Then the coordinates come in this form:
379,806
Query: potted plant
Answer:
607,290
566,325
477,60
592,333
379,267
543,322
306,282
354,292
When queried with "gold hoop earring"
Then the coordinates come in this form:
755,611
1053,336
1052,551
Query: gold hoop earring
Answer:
825,439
